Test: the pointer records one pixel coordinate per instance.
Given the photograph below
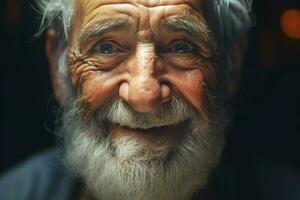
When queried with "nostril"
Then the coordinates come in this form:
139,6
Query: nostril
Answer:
166,93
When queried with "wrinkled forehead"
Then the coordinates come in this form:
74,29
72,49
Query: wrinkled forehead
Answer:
86,5
88,9
87,12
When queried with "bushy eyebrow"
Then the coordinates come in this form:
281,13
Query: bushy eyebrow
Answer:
195,28
102,27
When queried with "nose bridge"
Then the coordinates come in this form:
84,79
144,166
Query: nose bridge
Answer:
145,60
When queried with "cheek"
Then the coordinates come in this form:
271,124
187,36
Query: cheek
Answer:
195,86
191,87
97,91
93,87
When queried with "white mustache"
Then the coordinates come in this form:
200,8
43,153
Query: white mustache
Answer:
122,114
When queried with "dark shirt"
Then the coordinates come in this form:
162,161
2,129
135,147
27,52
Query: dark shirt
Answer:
44,177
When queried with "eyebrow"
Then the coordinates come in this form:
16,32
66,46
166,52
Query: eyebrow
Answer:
102,27
187,24
191,26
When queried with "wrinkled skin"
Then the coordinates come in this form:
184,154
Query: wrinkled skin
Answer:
142,62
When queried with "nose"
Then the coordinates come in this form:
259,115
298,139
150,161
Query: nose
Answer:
144,92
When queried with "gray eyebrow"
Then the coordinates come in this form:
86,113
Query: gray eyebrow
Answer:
101,28
193,27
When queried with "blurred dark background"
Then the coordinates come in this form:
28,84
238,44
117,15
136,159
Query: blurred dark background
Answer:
267,105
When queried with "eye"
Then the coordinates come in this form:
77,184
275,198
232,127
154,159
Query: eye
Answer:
105,48
183,48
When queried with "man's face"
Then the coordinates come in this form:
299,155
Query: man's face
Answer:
143,53
143,73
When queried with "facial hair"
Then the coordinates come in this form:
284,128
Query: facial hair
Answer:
128,168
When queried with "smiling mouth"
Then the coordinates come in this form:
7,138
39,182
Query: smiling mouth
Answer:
141,125
166,131
144,130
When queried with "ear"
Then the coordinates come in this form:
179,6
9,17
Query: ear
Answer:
237,57
51,52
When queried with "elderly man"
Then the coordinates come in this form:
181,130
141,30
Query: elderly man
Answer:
142,85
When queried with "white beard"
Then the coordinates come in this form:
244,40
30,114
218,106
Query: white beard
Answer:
134,169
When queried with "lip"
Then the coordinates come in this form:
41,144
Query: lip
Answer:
170,131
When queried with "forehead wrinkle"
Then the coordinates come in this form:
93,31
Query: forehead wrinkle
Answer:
146,3
101,27
144,30
88,6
